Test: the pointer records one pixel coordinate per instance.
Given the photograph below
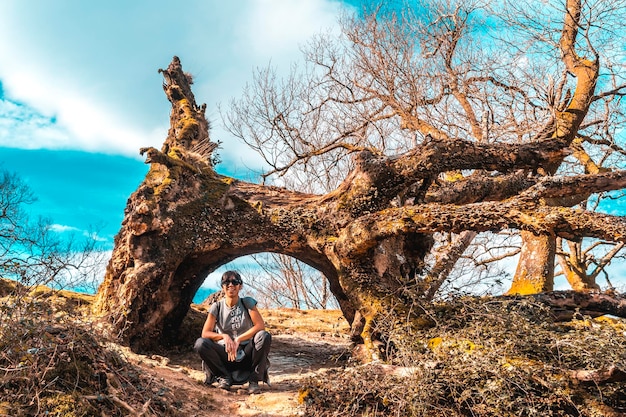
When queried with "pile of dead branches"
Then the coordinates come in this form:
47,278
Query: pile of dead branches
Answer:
484,357
52,363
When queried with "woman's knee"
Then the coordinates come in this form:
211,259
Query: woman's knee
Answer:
202,344
262,338
198,345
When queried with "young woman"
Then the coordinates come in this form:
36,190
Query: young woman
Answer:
234,344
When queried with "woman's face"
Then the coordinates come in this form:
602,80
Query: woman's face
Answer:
231,286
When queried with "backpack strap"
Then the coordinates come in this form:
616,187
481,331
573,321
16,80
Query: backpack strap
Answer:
244,302
217,317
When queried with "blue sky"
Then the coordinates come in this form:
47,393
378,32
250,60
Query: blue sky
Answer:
80,92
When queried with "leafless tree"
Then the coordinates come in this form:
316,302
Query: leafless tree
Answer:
492,72
33,254
430,120
282,281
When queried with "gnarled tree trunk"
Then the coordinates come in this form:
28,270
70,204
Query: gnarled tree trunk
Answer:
535,269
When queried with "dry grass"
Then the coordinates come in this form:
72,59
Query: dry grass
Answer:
53,364
287,321
483,357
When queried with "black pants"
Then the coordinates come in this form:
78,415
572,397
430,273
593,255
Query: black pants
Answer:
252,368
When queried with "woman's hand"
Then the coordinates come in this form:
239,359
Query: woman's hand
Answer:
231,346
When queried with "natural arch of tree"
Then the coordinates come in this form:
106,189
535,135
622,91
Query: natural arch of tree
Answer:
456,172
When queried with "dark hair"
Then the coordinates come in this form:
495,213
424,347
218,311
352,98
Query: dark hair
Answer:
231,275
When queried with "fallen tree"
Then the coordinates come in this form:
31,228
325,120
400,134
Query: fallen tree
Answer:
185,220
371,234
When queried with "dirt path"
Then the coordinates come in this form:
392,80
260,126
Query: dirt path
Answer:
296,354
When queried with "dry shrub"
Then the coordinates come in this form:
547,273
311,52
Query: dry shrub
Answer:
481,357
52,363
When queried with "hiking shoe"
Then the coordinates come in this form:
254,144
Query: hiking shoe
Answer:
224,383
253,387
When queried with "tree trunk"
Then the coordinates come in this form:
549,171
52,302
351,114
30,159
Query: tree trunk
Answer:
535,268
575,270
565,128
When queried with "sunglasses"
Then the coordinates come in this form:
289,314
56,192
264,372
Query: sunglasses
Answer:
231,281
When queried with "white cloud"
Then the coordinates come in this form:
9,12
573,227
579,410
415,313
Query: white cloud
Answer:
277,28
21,126
60,228
90,68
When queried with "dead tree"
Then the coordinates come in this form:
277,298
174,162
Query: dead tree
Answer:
185,220
531,72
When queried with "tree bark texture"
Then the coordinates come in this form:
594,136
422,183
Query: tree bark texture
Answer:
535,269
568,304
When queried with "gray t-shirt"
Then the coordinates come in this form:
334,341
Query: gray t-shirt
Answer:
233,321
